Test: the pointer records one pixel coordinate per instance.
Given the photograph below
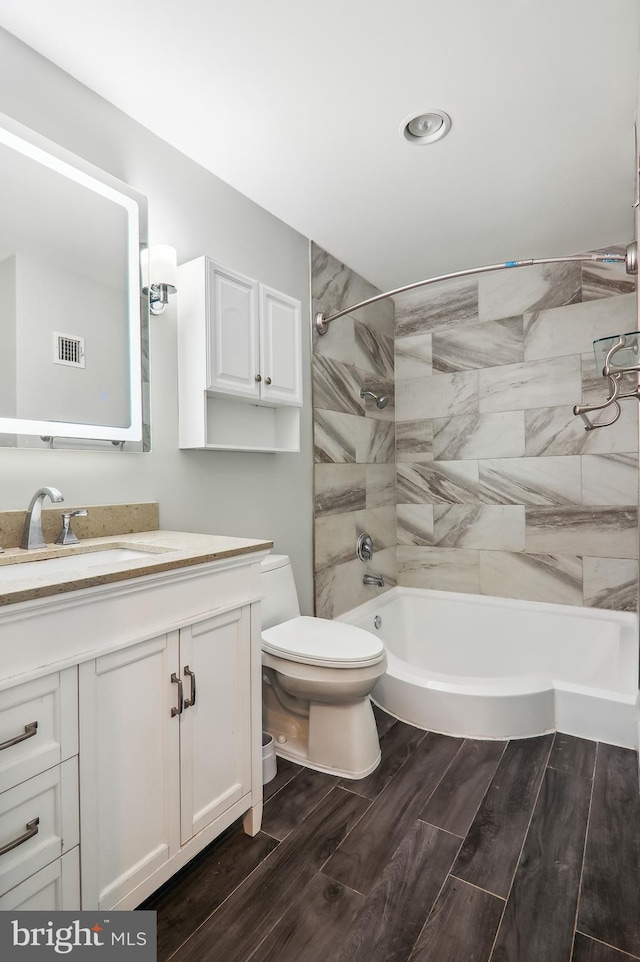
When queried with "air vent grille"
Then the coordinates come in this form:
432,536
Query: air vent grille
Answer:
68,349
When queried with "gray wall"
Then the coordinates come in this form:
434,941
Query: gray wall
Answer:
249,495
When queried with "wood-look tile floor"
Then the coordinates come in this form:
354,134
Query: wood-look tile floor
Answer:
453,850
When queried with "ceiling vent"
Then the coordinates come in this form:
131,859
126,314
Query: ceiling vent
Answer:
68,349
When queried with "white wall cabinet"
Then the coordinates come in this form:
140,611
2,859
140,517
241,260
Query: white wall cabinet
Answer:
239,341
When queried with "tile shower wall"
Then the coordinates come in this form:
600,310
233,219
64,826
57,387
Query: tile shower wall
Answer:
500,490
354,441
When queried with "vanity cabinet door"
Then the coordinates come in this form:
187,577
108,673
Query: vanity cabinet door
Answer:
215,732
129,757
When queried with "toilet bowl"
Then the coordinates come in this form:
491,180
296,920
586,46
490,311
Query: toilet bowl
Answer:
317,677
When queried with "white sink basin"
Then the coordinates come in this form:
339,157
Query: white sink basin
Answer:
45,568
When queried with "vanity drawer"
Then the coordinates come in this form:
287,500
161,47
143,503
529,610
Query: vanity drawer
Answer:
40,820
55,887
38,726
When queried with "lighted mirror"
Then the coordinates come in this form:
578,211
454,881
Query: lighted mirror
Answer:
72,319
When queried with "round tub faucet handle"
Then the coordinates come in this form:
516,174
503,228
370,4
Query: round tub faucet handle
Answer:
364,547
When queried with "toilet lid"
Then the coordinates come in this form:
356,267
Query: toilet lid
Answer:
317,641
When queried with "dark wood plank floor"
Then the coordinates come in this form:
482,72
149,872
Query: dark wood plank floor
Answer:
454,850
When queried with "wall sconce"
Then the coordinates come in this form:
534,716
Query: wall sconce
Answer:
159,266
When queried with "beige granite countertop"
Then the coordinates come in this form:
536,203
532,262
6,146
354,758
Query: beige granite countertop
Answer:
168,549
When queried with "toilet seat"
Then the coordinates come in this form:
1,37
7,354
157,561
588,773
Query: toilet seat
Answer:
317,641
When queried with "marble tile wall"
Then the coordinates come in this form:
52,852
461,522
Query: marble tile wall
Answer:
354,441
500,490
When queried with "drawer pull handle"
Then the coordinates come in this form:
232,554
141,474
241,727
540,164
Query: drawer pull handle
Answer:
177,681
29,731
190,702
31,830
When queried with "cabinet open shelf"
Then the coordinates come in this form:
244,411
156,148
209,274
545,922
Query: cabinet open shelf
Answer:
231,425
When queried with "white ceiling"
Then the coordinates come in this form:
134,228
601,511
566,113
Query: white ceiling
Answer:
299,106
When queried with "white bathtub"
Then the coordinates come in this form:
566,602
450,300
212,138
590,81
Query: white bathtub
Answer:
483,667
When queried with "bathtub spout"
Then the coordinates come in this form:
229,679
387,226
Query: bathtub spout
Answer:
376,580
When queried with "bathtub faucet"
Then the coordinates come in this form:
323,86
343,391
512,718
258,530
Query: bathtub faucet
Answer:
376,580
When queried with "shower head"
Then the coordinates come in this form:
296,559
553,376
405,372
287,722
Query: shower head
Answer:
381,399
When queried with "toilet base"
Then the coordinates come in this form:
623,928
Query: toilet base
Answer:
340,740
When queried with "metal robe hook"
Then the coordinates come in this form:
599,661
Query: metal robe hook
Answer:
590,426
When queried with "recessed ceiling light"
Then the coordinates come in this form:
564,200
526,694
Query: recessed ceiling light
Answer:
427,127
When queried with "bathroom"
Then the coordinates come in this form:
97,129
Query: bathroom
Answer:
215,493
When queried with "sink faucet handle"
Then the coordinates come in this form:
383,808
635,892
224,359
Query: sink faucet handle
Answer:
67,536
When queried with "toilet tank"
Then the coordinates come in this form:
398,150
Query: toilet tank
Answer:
280,601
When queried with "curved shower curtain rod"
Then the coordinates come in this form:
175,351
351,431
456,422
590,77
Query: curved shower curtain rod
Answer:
629,258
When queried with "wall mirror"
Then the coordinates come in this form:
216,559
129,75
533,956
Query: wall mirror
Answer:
72,320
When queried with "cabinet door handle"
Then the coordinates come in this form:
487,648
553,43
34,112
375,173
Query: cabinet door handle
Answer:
190,702
268,380
29,731
258,377
31,830
177,681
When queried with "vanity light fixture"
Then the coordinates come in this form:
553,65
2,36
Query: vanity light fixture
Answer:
159,266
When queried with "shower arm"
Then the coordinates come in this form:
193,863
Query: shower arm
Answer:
630,259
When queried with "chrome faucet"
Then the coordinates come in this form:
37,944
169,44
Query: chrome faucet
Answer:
32,536
376,580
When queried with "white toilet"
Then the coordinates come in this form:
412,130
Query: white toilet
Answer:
317,677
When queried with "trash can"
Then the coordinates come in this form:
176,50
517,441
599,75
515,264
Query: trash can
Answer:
269,764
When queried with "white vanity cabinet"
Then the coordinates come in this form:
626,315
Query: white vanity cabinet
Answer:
145,745
166,753
39,824
239,341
